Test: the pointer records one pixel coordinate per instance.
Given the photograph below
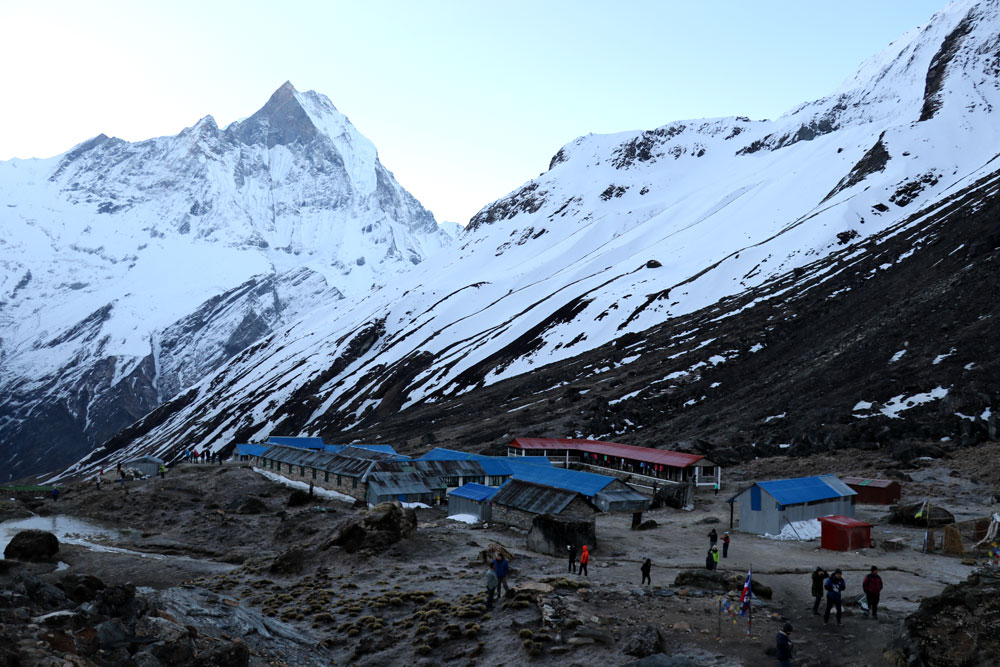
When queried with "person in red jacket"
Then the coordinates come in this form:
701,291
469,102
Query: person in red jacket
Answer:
872,586
584,560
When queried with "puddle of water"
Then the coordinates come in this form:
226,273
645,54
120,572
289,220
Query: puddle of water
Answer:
71,530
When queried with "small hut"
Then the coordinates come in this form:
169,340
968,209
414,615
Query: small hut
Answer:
874,491
472,499
844,533
147,465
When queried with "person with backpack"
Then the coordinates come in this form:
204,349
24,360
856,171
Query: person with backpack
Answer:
713,537
725,544
872,586
491,584
571,548
645,569
502,568
834,589
584,560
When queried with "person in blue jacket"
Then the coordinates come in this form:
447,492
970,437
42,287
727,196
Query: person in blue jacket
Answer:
834,587
502,569
784,653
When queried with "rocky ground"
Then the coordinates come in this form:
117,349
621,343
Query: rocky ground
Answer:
214,566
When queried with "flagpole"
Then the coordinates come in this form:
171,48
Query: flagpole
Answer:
750,604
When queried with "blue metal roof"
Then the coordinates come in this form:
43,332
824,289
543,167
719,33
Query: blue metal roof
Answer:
585,483
251,450
473,491
806,489
301,443
500,466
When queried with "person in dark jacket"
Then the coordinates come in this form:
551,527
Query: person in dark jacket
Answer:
725,544
819,576
713,537
834,588
872,586
646,567
571,548
502,569
709,561
784,653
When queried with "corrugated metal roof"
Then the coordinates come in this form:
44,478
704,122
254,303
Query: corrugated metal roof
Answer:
439,468
586,483
645,454
862,481
845,521
384,449
534,498
249,449
303,443
806,489
474,491
144,459
326,461
492,465
396,483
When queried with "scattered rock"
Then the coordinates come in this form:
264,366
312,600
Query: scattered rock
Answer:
298,498
646,640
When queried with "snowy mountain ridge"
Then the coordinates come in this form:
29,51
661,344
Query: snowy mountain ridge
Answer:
625,233
131,270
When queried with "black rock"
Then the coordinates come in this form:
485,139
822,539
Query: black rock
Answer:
32,545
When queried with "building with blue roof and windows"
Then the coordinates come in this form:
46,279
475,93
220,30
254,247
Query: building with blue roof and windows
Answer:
765,508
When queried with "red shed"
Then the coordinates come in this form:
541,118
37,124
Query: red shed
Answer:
874,491
843,533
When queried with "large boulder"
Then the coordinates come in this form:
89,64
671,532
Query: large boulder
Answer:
716,580
646,640
381,527
32,545
551,534
392,518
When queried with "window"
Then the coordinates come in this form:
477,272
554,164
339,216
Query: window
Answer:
326,475
354,482
708,471
478,479
755,498
450,480
314,473
339,482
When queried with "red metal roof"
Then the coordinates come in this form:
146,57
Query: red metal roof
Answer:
862,481
845,521
661,456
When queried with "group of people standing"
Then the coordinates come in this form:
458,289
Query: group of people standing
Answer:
833,586
712,557
584,559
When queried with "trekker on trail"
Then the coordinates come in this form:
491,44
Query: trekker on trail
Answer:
97,480
584,560
784,652
725,544
491,584
502,569
646,567
872,586
714,553
819,576
709,561
713,537
834,587
571,548
55,494
163,471
716,487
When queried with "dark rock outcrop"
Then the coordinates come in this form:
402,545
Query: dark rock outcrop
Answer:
550,534
32,545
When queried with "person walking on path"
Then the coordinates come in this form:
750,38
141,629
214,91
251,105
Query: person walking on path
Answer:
714,553
571,548
834,588
646,567
713,537
725,544
872,586
491,584
55,494
502,569
784,652
819,576
716,488
163,471
584,560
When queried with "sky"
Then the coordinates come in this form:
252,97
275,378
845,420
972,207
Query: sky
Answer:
464,100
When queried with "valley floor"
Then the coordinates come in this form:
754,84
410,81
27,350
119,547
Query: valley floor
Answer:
418,600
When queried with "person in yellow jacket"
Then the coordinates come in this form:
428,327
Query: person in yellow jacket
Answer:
584,560
714,552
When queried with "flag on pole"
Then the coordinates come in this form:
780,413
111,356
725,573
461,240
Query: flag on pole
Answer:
747,593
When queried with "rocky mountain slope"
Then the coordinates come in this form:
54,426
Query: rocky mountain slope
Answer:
132,270
745,287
